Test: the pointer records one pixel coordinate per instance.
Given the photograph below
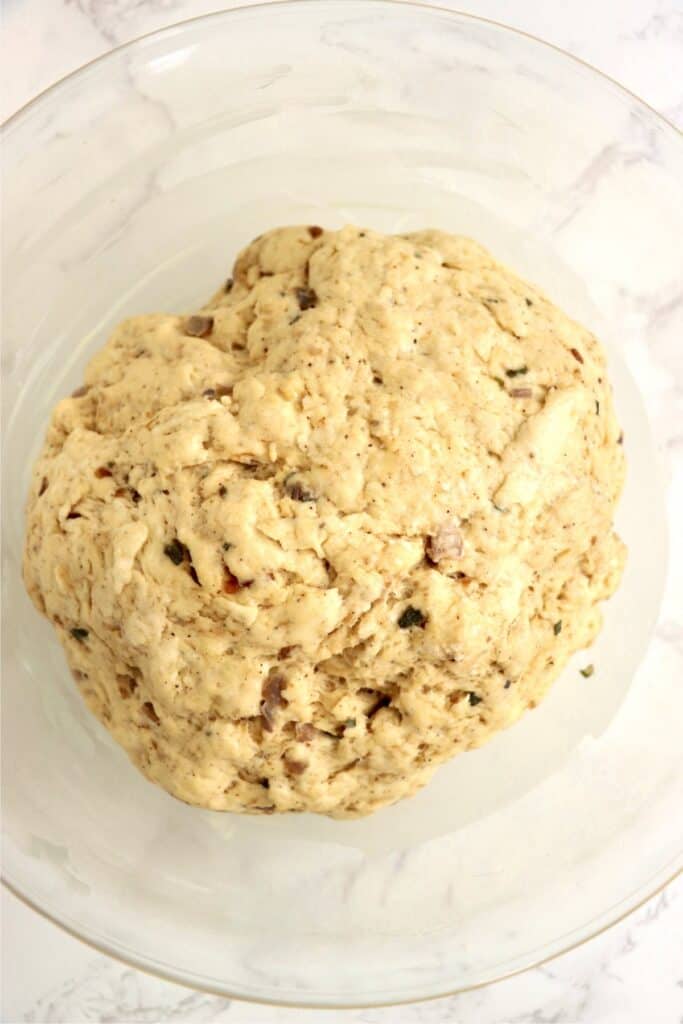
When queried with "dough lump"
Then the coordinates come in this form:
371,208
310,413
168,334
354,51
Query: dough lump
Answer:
349,519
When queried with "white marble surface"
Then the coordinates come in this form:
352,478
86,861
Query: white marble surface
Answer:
632,972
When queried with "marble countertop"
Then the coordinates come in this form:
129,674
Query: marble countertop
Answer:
630,973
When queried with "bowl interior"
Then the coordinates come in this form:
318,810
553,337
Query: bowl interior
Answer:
129,188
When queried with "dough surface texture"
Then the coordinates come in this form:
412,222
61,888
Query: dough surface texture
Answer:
349,519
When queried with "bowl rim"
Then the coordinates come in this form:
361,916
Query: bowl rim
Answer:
266,7
420,5
145,968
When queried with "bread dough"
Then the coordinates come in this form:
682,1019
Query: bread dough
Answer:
349,519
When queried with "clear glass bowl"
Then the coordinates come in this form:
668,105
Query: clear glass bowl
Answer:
128,188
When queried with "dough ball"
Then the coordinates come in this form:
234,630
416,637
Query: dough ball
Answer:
347,520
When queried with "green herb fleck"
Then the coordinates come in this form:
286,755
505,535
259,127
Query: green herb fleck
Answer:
78,633
474,698
520,371
557,628
349,723
411,616
175,551
588,671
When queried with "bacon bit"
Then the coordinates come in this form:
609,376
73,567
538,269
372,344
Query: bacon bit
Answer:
447,542
284,653
577,355
127,686
272,699
199,326
293,767
304,731
80,392
218,392
521,393
102,472
74,515
129,492
255,728
230,583
149,710
314,231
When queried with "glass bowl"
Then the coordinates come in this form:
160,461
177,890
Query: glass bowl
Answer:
129,187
